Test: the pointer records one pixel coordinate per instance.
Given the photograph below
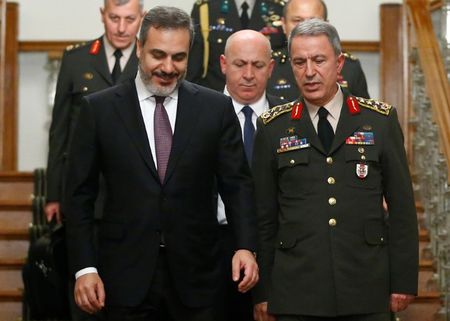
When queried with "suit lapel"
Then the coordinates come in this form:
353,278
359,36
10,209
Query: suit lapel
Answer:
128,108
187,114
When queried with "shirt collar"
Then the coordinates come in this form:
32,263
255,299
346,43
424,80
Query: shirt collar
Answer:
251,4
144,93
334,106
259,106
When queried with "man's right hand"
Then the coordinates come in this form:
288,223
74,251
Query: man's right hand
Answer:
90,293
260,312
51,210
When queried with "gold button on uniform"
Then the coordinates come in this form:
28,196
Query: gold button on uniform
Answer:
332,222
363,157
332,201
292,161
219,40
329,160
361,150
331,180
85,89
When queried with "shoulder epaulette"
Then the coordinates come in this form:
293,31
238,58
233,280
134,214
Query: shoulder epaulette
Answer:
375,105
200,2
276,111
75,46
349,56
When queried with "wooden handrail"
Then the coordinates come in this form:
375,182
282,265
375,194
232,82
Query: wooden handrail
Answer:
431,61
55,46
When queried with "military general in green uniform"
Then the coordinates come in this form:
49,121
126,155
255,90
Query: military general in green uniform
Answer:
87,68
322,165
282,82
216,20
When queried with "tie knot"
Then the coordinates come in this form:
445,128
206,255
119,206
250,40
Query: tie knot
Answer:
244,6
159,99
323,112
248,111
118,53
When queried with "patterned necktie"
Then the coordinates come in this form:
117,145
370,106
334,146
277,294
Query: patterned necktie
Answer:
244,15
163,137
116,70
324,129
249,132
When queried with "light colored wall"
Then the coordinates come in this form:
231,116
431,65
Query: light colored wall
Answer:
80,20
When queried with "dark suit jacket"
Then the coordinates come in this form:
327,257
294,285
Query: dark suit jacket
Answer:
207,146
325,246
283,84
81,73
222,24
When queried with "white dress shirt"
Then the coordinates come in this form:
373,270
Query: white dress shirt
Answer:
251,4
258,107
334,107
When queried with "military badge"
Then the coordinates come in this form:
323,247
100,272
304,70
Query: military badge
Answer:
353,106
361,138
296,112
362,170
224,7
267,31
95,47
292,143
291,131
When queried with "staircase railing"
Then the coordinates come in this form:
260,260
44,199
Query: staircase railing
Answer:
430,119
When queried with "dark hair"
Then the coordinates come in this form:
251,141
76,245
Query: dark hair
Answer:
324,6
317,27
166,18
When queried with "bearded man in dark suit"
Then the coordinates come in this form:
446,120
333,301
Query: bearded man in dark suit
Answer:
162,145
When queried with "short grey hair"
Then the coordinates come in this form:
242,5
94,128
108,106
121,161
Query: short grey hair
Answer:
317,27
122,2
163,17
324,6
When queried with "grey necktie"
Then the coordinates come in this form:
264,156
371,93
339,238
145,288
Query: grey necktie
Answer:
163,137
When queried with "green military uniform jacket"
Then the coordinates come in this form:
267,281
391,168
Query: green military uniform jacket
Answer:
84,70
282,83
326,246
223,21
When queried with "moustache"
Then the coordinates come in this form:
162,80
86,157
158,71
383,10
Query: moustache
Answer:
165,75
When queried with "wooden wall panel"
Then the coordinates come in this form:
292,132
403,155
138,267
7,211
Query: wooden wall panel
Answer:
9,159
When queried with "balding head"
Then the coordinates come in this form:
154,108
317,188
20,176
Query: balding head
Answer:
247,65
296,11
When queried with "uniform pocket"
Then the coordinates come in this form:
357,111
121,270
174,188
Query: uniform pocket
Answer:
362,166
375,232
294,172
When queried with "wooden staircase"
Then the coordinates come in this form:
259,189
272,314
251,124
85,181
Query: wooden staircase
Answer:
428,303
16,191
